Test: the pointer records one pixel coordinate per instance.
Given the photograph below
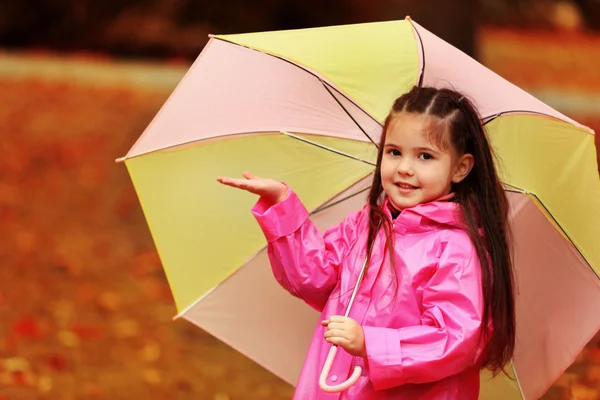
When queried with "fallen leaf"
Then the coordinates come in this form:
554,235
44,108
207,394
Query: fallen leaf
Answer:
221,396
184,386
583,392
22,378
26,327
593,354
150,352
86,331
152,376
16,364
127,328
593,374
26,241
44,384
109,301
68,338
63,312
94,391
57,362
567,380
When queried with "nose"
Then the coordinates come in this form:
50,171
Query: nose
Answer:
405,166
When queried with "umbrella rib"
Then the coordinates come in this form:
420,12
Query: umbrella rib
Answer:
565,233
513,188
516,189
490,118
422,74
512,365
326,85
325,207
302,68
328,148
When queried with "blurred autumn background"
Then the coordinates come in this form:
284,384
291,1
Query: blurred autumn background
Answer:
85,309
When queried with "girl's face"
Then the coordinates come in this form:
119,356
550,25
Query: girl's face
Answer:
413,169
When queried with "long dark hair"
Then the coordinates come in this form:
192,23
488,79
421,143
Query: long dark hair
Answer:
483,204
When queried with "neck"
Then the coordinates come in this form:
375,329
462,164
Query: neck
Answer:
395,212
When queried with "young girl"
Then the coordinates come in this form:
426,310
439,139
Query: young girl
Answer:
436,302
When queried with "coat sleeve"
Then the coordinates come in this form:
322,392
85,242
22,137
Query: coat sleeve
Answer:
447,340
304,261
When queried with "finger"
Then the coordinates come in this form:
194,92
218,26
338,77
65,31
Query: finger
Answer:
250,186
235,183
337,341
229,181
249,175
337,325
325,322
335,333
337,318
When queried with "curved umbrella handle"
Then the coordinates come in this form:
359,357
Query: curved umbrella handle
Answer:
327,367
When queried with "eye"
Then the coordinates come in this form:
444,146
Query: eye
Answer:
425,156
394,152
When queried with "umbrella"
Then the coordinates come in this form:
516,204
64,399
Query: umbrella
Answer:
306,107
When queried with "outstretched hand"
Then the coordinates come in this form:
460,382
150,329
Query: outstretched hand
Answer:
269,189
346,333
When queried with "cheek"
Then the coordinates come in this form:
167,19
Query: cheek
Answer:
386,171
435,176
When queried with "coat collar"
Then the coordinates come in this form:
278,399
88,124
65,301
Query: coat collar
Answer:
429,215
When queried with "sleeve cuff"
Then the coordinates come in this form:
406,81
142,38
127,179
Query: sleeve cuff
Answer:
280,219
384,356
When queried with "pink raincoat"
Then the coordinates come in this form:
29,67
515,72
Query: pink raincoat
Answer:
421,333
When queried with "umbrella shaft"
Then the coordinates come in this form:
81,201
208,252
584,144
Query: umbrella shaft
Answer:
362,271
358,281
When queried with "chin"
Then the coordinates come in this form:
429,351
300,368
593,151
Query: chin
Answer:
402,205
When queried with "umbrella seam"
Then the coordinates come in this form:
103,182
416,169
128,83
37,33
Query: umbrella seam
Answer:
326,85
221,282
589,264
492,117
516,189
325,207
341,153
512,364
422,74
179,85
219,137
306,70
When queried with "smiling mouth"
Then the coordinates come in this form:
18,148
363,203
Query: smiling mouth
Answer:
403,185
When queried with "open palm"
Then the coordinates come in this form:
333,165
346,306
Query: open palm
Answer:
269,189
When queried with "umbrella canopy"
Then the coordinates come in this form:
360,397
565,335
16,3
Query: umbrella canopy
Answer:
306,107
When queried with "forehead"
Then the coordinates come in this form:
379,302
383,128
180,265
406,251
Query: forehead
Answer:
416,130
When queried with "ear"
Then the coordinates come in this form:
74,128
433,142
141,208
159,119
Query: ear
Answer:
462,167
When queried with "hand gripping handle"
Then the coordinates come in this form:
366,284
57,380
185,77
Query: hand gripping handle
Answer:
327,368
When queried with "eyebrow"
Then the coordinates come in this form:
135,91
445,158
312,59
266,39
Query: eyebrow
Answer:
427,149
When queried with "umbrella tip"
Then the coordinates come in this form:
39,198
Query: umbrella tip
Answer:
210,35
120,159
408,18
